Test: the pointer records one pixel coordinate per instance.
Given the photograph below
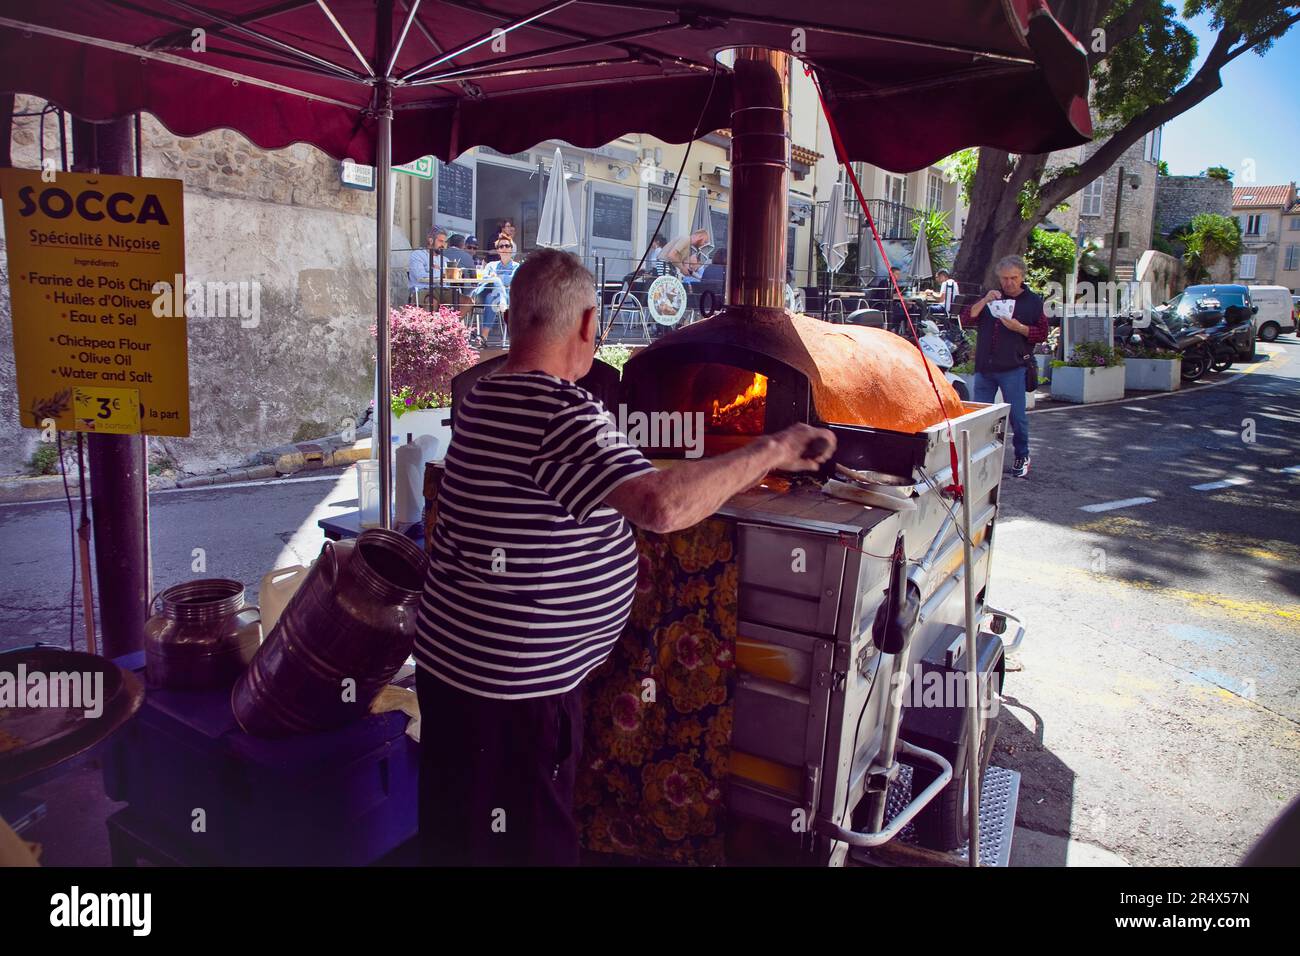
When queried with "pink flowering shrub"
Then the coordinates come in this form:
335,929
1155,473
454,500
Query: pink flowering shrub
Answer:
428,350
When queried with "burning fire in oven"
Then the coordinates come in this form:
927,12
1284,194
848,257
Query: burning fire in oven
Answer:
745,414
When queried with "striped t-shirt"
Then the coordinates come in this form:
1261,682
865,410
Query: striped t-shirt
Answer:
531,576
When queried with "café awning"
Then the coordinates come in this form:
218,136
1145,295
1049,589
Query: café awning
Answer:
907,83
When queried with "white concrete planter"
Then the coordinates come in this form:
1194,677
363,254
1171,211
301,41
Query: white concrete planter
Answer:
1087,385
1153,375
425,421
969,379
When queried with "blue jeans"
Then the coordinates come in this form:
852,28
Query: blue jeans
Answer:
1012,384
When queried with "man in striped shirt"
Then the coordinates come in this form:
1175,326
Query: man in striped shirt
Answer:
533,572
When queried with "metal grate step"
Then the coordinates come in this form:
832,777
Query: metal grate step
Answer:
999,796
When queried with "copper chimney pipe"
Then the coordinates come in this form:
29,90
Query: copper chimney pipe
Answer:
760,179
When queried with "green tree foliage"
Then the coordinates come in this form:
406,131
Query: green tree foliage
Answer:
1208,239
1141,55
1092,265
938,236
1050,257
1219,172
960,168
1164,168
1144,70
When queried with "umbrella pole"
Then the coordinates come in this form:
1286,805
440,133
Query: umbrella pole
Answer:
383,242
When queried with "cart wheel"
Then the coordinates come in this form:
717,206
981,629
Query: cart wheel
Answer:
998,624
943,824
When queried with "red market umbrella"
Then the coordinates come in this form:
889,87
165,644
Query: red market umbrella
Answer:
383,81
907,83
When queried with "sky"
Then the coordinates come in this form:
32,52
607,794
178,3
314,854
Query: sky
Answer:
1253,120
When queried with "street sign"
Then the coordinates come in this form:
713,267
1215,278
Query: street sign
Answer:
363,177
88,256
357,176
422,167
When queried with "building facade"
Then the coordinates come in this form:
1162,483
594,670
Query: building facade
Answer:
1091,211
1270,235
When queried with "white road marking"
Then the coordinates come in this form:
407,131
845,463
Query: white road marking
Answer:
1139,408
1225,483
1112,505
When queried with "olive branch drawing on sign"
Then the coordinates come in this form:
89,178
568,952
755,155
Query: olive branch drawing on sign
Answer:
53,407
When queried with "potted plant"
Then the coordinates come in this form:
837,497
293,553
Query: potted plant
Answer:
1093,373
428,350
1152,370
1043,353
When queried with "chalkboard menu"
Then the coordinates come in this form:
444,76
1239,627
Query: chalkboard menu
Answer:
612,216
455,190
719,221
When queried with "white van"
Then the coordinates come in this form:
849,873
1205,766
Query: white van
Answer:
1273,311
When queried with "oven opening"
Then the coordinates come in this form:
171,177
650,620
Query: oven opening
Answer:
743,415
726,399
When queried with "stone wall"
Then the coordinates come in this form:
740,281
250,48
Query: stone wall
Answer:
279,219
1179,198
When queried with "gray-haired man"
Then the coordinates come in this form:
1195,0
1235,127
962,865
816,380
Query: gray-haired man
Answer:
533,572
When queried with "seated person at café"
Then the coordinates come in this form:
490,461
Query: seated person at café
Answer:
420,277
494,281
457,254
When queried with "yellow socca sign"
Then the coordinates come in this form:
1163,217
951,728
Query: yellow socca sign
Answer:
90,258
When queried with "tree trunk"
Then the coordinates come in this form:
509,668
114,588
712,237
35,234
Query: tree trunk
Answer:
994,227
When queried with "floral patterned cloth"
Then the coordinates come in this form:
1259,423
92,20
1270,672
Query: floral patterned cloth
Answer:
658,711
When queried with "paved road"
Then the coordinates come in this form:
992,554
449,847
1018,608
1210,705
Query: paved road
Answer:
237,531
1156,718
1158,713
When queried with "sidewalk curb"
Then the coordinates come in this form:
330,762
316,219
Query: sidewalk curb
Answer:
47,488
1142,396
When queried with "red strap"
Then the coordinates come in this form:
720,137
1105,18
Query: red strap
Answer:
842,155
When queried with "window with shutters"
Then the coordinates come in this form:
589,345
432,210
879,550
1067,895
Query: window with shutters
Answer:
1248,267
934,192
1090,204
1292,258
1256,225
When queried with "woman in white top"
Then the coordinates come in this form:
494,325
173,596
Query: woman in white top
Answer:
495,281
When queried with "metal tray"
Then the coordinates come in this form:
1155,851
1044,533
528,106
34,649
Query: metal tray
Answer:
33,739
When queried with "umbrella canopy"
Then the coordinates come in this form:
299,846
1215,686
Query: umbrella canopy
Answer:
556,228
702,221
870,264
907,83
921,268
835,231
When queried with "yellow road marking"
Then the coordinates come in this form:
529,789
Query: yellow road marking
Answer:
1122,526
1044,572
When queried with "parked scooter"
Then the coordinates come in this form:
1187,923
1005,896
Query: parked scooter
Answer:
946,349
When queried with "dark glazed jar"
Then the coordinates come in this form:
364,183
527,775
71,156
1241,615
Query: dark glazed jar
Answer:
343,635
201,636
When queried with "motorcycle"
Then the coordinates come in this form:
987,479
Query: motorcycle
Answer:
1153,330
